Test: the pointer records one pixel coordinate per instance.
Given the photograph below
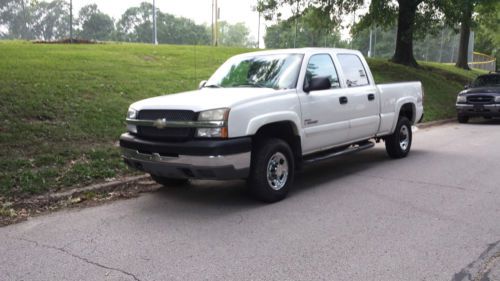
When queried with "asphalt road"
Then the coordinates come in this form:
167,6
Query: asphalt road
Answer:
432,216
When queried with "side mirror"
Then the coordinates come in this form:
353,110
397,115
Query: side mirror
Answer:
202,84
467,86
318,84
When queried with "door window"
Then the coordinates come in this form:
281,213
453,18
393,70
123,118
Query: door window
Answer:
354,71
321,66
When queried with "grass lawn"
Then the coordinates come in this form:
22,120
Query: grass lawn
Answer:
62,107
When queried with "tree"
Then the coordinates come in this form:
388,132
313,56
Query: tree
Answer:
50,19
383,40
487,31
135,24
313,23
180,30
413,18
94,24
310,33
409,14
462,11
28,20
17,17
234,35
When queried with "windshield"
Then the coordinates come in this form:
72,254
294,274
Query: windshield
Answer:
487,81
262,71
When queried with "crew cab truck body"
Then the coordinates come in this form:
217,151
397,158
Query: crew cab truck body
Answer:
263,115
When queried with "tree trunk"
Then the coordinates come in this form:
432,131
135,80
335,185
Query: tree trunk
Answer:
463,47
404,41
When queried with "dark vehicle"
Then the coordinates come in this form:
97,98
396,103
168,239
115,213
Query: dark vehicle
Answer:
480,99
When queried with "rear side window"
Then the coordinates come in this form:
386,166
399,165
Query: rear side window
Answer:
322,66
354,71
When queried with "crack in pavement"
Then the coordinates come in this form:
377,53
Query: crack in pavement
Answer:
62,250
480,268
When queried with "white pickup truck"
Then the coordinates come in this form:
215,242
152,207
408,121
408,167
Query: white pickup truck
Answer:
263,115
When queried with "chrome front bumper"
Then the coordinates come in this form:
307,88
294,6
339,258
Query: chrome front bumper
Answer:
233,166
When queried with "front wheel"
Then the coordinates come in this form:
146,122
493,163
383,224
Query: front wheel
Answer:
398,144
272,170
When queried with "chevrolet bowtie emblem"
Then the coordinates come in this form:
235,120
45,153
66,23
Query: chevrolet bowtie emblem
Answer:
160,123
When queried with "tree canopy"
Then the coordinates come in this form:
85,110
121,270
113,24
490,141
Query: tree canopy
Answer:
94,24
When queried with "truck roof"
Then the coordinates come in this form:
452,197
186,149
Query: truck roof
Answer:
301,51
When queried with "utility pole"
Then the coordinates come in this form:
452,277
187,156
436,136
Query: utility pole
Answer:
258,34
155,33
215,27
217,16
370,45
70,21
441,47
296,22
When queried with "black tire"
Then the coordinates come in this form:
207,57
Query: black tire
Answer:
169,182
279,152
462,119
394,143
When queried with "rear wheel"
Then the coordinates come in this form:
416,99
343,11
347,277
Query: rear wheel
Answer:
169,182
398,144
462,119
272,171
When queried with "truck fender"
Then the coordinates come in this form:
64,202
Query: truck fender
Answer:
399,105
257,122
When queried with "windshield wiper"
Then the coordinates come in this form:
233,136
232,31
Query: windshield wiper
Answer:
212,86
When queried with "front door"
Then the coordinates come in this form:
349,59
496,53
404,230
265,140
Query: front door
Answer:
325,115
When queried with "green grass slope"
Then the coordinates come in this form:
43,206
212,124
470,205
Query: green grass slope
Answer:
62,107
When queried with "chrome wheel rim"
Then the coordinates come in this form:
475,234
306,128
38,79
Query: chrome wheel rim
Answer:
277,171
404,137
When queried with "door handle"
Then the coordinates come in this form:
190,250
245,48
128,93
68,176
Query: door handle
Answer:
343,100
371,96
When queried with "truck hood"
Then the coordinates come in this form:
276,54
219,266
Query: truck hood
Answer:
481,90
207,98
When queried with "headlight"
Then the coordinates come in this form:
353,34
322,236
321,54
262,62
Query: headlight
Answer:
212,132
497,99
220,114
461,99
132,113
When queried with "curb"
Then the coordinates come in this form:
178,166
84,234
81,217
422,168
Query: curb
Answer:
22,209
436,123
54,198
102,187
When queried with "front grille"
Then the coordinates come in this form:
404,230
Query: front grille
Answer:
169,134
480,99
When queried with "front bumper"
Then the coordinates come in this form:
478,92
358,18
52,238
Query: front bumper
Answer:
206,159
478,110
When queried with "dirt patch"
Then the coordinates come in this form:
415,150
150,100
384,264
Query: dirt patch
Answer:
20,209
148,58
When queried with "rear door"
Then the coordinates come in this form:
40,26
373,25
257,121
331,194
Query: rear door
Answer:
363,96
325,119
